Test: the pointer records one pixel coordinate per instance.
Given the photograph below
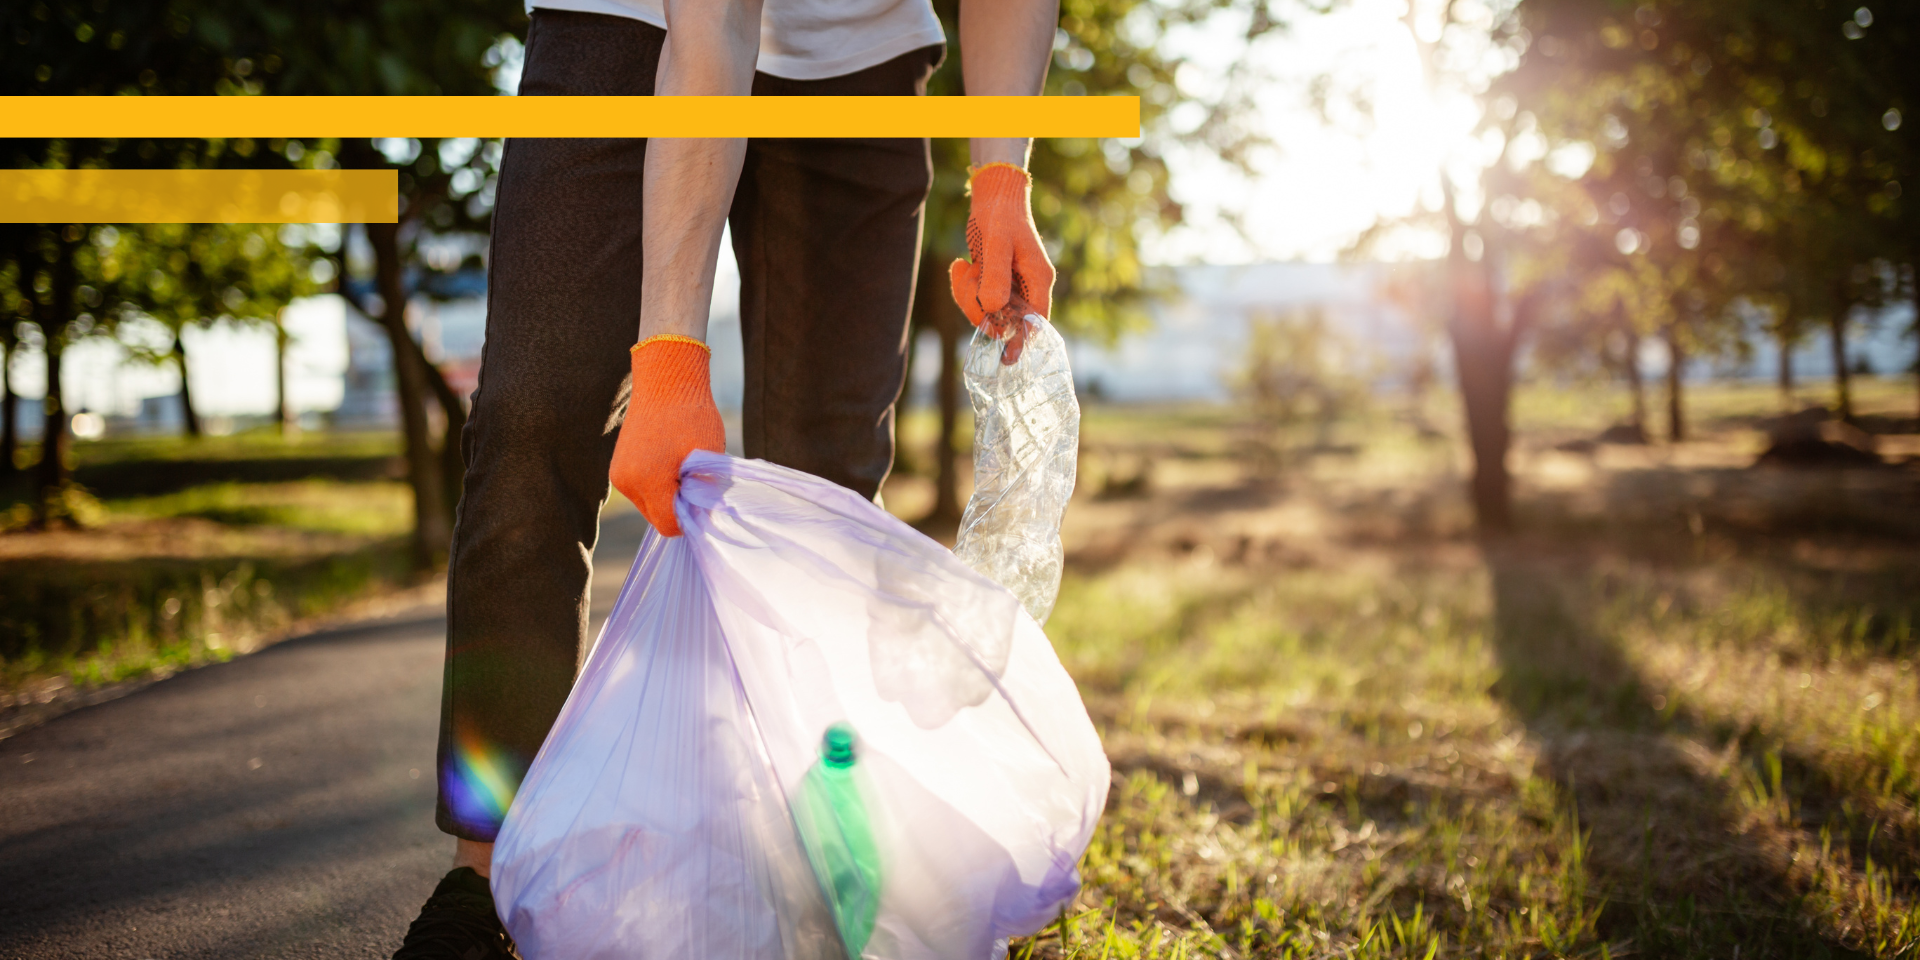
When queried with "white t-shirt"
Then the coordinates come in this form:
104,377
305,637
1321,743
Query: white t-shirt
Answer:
807,39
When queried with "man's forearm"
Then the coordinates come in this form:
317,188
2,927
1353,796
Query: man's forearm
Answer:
1004,49
689,185
710,51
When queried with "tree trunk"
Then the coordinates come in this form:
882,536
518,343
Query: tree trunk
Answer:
51,476
9,404
1842,385
186,391
1636,383
1483,359
54,472
453,463
289,424
1786,364
431,532
947,319
1676,361
1913,300
1485,389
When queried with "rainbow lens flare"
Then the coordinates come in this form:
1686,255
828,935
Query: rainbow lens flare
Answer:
479,780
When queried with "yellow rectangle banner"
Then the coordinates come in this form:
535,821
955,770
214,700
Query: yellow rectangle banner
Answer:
199,196
571,116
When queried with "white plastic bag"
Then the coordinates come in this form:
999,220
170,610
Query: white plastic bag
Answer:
1026,445
697,799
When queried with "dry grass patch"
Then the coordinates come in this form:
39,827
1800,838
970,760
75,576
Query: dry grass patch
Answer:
1341,728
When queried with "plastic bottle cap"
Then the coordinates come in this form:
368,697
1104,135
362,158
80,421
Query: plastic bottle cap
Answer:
836,748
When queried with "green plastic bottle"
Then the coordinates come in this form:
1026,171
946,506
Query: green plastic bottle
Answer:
838,836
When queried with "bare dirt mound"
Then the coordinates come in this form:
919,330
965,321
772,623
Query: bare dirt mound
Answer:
1814,437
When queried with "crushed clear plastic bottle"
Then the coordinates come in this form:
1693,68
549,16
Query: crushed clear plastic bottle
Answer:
1026,445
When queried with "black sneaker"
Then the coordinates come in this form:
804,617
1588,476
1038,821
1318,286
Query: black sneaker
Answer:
459,922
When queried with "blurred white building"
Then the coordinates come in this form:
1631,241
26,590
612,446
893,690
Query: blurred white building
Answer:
232,369
1197,344
1199,341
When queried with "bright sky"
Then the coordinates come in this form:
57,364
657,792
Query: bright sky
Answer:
1326,179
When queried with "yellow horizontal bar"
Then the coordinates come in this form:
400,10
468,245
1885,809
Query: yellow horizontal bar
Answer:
571,116
199,196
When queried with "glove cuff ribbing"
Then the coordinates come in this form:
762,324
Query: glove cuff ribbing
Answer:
671,369
996,180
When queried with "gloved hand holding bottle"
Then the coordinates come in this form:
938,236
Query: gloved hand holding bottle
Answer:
670,414
1009,274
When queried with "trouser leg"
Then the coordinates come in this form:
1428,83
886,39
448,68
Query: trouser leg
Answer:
563,306
827,235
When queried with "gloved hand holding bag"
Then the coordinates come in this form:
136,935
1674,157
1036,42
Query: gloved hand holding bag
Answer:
671,414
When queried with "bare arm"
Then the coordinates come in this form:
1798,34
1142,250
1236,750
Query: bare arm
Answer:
1004,49
710,51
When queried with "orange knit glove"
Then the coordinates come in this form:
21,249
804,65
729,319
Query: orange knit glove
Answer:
670,415
1009,263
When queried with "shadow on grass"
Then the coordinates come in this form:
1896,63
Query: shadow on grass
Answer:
1667,508
1681,876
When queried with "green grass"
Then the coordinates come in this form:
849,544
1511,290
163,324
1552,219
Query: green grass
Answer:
374,509
265,443
1510,759
141,593
1590,408
102,621
1600,742
120,468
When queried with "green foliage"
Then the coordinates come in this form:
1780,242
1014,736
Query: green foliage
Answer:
183,275
1299,369
1662,167
1744,151
226,47
222,47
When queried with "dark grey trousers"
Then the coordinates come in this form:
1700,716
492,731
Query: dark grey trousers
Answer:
827,235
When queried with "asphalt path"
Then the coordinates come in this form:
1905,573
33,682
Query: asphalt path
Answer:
279,805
